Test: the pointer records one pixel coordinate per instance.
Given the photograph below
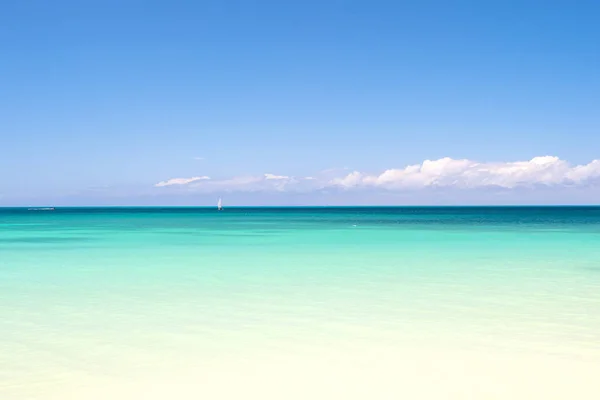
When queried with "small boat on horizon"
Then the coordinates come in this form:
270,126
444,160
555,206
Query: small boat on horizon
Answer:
219,205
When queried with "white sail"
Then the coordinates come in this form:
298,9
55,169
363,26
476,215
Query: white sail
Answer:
220,204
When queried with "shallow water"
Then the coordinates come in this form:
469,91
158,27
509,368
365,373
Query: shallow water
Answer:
375,302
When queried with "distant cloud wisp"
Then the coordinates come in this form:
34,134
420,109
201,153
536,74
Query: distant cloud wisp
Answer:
276,177
181,181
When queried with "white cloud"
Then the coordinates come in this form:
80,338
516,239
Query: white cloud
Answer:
443,173
448,172
266,182
181,181
276,177
199,158
247,183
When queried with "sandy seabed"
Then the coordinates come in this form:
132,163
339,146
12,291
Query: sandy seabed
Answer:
381,374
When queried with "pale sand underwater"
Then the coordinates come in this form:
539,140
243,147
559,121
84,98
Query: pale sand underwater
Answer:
383,374
355,303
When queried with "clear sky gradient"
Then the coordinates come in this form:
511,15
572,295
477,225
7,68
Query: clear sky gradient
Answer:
102,100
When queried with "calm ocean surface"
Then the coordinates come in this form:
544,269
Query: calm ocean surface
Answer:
365,303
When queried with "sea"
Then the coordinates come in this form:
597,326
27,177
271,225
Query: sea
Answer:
300,303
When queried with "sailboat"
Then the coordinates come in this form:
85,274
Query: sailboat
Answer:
220,205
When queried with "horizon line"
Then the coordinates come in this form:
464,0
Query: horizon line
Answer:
308,206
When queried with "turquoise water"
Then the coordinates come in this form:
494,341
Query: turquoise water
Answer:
91,297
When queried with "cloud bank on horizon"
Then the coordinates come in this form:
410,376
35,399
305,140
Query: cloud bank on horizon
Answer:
446,172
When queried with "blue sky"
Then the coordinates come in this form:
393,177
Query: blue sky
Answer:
101,101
